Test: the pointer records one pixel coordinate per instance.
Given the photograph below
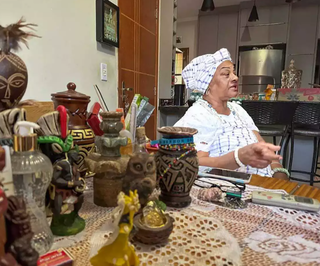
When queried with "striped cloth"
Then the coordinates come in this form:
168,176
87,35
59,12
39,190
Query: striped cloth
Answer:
198,74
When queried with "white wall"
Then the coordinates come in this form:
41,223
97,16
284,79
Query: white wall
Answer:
188,30
67,51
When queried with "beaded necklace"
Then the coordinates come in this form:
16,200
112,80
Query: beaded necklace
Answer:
209,107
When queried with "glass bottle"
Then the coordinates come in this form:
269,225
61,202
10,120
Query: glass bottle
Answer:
32,173
140,145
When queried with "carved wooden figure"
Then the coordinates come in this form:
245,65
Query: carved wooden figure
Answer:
66,186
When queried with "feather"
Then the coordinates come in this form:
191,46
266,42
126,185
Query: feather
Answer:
14,34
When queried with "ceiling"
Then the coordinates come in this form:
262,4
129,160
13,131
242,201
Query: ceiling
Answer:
190,8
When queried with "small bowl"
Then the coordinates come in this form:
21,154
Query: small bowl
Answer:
152,235
151,149
178,131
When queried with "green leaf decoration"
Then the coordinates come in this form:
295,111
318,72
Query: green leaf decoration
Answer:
161,205
66,145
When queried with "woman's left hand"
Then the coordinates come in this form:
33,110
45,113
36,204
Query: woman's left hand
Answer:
281,176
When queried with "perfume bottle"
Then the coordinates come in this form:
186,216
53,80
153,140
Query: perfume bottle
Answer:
32,173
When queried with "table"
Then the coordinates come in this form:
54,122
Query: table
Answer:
206,234
290,187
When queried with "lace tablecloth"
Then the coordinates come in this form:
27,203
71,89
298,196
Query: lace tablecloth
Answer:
206,234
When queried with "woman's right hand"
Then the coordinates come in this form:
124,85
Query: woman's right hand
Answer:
259,155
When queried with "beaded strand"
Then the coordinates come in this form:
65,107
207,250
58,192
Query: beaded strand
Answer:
189,147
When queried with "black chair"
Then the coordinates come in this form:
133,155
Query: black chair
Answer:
273,118
306,123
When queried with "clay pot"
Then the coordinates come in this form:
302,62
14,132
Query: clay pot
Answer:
13,80
76,104
177,182
152,236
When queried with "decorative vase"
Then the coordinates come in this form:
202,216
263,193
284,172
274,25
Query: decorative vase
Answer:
13,80
108,165
76,104
177,165
13,71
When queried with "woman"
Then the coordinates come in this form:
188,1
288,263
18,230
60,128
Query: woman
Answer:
227,136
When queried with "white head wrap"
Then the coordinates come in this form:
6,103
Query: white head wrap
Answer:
199,73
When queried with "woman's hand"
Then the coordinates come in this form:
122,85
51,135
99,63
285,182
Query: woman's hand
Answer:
259,155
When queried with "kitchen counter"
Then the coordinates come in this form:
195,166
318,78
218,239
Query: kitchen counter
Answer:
170,114
172,109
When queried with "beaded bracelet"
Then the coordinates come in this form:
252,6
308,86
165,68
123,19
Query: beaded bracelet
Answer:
281,170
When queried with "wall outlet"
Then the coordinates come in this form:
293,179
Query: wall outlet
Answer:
103,72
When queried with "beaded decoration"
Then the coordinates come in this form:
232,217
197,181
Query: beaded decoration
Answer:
176,147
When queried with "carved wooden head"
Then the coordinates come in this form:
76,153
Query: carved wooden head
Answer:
13,80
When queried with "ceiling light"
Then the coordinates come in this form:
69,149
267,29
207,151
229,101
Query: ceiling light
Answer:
207,5
254,13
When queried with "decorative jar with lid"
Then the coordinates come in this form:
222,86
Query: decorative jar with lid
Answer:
76,104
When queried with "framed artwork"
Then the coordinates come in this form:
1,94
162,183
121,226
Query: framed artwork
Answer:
107,19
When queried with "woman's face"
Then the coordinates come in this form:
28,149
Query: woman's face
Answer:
224,83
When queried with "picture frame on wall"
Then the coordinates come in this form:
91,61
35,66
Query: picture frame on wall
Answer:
107,23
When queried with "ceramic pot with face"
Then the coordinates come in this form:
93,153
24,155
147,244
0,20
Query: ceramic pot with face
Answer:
177,166
13,80
76,104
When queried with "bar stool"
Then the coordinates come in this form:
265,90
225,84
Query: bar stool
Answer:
306,123
273,118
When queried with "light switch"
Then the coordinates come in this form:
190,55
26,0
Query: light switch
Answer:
104,72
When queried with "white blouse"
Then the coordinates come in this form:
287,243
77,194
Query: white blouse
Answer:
220,134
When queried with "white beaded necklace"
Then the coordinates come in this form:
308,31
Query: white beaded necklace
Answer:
208,106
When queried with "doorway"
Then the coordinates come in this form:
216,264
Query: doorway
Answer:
138,55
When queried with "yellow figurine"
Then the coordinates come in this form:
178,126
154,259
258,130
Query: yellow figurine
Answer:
118,250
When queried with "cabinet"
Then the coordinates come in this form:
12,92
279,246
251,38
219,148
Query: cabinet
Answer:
303,29
218,31
271,27
302,42
208,35
227,33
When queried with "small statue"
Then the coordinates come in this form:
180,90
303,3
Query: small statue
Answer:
141,176
117,250
291,77
66,186
153,214
15,241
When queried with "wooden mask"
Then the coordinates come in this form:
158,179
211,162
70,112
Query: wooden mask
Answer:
13,71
